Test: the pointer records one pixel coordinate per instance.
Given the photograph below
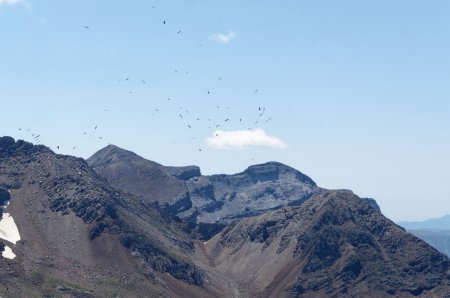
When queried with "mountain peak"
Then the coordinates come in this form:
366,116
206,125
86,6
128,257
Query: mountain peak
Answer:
275,170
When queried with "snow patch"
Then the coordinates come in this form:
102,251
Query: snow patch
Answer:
8,229
8,253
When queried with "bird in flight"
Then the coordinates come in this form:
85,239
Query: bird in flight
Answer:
164,22
86,27
96,127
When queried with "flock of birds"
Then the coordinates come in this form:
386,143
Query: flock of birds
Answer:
185,115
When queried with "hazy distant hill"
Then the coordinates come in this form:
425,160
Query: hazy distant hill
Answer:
435,232
442,223
439,239
84,233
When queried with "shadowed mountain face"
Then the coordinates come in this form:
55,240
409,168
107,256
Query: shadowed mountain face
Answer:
83,237
132,173
205,198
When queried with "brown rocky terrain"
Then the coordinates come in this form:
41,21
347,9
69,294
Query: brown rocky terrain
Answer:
85,232
334,245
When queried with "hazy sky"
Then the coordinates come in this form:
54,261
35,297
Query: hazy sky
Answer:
358,92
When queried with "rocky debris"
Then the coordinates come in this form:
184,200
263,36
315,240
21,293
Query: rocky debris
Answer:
334,245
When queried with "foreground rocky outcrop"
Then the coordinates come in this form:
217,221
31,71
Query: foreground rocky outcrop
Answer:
333,245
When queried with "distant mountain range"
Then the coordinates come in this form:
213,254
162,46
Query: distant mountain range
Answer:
118,225
435,232
441,223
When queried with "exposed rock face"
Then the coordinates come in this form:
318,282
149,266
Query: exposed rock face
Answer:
333,245
184,192
258,189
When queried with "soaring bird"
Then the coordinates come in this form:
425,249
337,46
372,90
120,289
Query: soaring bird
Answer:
86,27
164,22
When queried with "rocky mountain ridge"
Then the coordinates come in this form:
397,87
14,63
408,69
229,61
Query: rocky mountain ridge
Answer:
208,199
89,232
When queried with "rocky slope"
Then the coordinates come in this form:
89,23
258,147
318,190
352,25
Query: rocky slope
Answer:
207,199
333,245
80,236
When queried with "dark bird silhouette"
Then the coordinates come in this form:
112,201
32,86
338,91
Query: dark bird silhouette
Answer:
226,120
189,126
127,79
199,149
164,22
143,82
256,90
179,31
86,27
57,147
96,127
220,79
181,116
74,147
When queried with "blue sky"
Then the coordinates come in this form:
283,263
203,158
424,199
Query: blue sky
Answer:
357,90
